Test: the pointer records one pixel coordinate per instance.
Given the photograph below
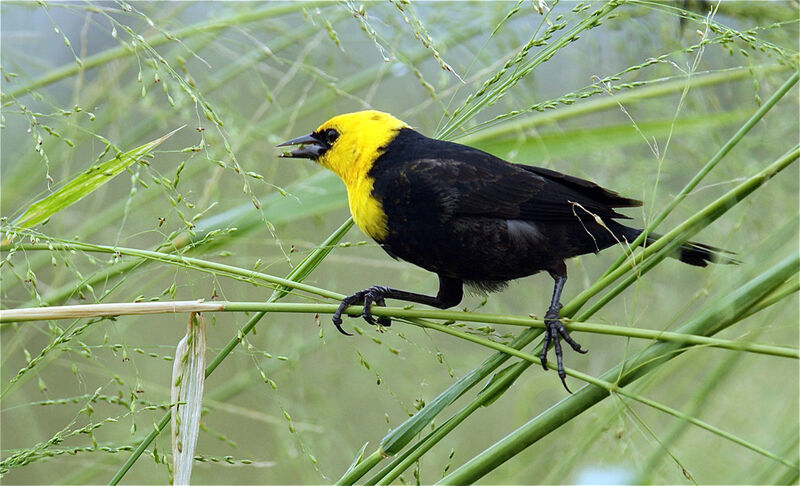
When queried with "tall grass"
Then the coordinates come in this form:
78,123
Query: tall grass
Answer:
693,111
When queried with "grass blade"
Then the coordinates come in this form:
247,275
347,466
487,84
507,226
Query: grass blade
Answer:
84,184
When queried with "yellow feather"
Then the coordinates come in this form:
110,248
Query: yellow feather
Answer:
362,138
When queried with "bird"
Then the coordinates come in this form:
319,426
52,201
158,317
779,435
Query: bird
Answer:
468,216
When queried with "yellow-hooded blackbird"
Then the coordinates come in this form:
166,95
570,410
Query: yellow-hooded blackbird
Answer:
466,215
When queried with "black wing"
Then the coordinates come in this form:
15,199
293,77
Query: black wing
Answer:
479,184
468,181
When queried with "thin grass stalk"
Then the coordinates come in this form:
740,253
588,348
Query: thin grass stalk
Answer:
321,101
721,315
210,233
84,184
362,468
313,103
500,384
448,316
189,262
790,447
789,58
400,436
279,43
785,290
219,79
654,89
411,315
157,40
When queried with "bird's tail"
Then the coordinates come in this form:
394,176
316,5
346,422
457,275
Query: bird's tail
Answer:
692,253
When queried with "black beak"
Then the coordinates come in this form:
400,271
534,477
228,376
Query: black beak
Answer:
311,148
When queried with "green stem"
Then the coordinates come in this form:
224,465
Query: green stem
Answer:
66,312
504,379
195,263
365,465
654,89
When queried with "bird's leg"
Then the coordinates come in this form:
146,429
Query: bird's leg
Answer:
450,293
555,330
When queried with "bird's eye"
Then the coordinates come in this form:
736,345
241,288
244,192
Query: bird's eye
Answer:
330,136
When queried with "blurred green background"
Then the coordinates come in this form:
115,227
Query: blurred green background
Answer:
639,103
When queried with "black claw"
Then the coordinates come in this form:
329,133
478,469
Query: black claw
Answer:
337,321
562,331
559,358
545,347
367,312
346,302
564,382
554,332
383,320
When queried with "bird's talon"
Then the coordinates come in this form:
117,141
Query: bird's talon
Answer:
564,382
367,315
383,320
367,312
545,347
337,321
346,302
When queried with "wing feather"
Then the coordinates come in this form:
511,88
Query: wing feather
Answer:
502,190
465,181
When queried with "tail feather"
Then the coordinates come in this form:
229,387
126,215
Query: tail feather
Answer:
700,255
697,254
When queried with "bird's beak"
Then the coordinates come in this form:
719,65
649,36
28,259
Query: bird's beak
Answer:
310,147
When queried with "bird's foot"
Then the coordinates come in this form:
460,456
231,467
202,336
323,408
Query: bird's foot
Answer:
554,332
376,295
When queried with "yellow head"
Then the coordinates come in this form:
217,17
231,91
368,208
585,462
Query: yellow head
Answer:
348,145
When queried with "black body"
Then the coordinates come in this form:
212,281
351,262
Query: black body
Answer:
468,215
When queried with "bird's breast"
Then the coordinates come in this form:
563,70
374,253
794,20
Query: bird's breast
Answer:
367,211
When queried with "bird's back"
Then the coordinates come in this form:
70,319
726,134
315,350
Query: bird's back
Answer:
464,213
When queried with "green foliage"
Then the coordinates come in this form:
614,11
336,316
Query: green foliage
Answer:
695,111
